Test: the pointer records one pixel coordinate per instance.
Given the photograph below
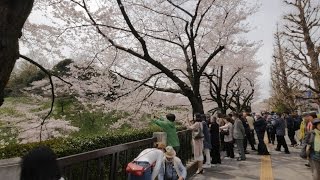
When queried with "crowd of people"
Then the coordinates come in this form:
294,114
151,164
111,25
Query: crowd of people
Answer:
216,137
213,136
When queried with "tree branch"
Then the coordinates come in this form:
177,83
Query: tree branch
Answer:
205,64
52,89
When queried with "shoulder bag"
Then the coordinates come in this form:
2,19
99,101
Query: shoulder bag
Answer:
136,169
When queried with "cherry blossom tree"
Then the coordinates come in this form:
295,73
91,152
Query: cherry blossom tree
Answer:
163,45
98,89
232,77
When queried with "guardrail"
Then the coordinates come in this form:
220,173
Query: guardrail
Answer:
109,163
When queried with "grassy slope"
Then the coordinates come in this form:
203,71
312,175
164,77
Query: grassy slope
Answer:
90,123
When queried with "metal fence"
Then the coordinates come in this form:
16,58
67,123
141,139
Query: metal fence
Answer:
109,163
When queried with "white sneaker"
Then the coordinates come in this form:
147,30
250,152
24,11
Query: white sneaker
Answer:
227,157
214,165
206,166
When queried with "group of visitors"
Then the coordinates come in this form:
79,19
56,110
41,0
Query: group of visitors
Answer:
212,135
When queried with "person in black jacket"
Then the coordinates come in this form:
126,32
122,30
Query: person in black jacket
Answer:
271,131
260,126
291,130
215,141
247,130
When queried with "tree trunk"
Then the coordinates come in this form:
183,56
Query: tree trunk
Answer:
196,103
13,16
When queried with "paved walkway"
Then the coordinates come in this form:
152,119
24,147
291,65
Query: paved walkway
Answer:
278,166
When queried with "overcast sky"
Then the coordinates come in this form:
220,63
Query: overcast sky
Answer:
265,22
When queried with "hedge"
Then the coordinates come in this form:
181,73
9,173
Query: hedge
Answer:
74,145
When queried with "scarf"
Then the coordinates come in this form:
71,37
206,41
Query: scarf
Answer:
317,140
309,127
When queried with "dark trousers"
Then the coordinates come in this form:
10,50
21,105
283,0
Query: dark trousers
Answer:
249,137
291,134
215,154
271,136
222,147
229,149
282,142
252,136
262,148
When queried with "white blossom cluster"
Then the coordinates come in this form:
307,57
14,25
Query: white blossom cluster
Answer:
25,127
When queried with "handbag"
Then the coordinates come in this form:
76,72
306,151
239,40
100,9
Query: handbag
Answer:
225,132
135,169
199,133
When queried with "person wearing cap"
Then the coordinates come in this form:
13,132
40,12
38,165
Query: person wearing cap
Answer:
172,167
313,149
169,127
148,158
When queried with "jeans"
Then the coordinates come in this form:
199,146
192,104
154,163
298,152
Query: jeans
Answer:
239,143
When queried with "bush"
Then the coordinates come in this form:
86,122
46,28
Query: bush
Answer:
69,146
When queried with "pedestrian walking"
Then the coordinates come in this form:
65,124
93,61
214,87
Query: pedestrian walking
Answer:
291,129
280,125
